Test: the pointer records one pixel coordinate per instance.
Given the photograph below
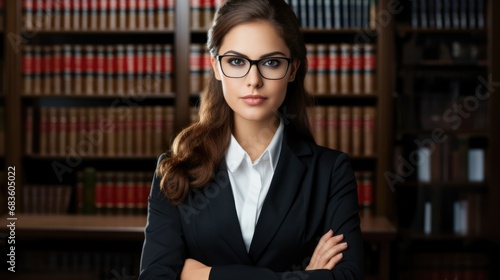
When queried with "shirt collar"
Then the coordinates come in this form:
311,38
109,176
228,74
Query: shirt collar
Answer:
236,154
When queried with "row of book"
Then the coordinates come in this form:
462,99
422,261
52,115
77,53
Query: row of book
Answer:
203,12
335,14
46,199
112,192
451,161
97,69
457,14
98,15
74,262
365,183
350,129
98,131
460,216
341,69
459,266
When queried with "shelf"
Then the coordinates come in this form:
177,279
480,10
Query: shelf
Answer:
101,32
472,186
464,132
79,226
100,96
92,157
446,63
310,30
344,96
132,227
404,29
407,234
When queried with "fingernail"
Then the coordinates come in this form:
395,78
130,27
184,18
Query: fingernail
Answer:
344,244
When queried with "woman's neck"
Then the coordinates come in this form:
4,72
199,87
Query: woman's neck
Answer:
254,137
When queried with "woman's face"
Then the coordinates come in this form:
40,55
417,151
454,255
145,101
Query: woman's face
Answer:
253,97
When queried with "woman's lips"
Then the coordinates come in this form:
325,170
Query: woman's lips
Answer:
253,99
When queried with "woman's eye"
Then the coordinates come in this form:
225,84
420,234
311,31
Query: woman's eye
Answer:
272,63
236,61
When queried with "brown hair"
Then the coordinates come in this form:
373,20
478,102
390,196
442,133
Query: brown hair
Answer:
198,149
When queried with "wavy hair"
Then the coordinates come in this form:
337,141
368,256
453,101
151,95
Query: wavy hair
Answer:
199,149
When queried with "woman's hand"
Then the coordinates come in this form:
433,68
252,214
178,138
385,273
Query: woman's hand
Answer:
328,252
195,270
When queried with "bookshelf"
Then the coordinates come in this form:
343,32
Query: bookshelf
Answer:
444,197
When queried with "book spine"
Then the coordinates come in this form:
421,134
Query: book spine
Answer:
28,69
141,14
170,14
322,75
345,69
89,68
93,12
100,70
195,61
132,9
423,13
121,15
77,69
67,69
369,66
130,69
332,119
37,70
333,69
89,180
85,14
28,6
47,70
112,11
357,130
75,15
320,125
166,72
57,69
103,15
142,82
119,70
62,131
195,13
337,14
345,129
312,66
357,66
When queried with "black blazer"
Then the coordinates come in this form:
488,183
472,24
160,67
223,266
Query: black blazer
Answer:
313,190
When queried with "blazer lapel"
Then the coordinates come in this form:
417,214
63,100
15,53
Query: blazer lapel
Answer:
224,214
284,186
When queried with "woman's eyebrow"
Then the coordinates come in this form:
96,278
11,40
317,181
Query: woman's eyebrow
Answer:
262,56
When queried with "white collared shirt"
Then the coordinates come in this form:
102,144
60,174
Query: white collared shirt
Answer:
250,182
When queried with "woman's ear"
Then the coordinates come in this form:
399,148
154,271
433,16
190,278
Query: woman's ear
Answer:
215,67
293,71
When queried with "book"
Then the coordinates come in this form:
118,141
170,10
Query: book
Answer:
333,69
345,69
476,159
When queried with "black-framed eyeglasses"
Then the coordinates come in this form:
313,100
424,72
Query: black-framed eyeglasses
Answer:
271,68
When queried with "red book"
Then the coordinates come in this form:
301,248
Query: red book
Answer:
155,64
143,82
130,204
168,70
120,70
150,65
100,70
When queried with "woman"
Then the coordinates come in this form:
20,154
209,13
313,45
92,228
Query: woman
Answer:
246,193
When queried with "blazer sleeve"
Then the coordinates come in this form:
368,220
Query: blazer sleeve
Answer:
342,216
163,251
